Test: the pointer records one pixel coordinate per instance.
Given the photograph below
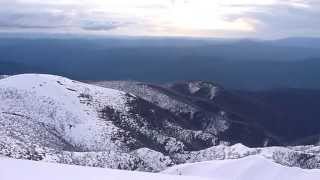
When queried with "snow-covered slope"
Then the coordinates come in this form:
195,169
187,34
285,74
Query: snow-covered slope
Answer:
248,168
55,119
3,76
11,169
147,128
51,118
65,107
194,102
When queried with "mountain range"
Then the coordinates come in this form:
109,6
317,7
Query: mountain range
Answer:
150,127
243,64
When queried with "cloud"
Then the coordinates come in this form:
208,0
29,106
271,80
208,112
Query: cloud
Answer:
39,20
17,15
62,15
285,18
264,19
101,26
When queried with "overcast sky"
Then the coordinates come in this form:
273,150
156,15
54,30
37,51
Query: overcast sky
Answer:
214,18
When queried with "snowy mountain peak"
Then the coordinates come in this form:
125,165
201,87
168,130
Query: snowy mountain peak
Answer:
65,106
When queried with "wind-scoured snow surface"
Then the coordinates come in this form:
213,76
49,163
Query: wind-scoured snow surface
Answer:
248,168
29,170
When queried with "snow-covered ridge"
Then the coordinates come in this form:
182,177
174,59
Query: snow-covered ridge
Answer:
54,119
248,168
198,107
148,93
60,104
29,170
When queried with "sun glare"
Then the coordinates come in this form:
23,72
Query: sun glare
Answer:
192,15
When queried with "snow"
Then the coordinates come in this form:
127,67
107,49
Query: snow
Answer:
149,94
3,76
196,86
248,168
63,105
46,85
11,169
55,119
161,97
153,159
213,92
193,88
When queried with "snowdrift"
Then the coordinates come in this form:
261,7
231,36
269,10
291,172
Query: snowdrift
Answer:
248,168
11,169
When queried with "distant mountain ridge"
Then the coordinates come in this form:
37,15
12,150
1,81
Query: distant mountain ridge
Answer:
236,64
